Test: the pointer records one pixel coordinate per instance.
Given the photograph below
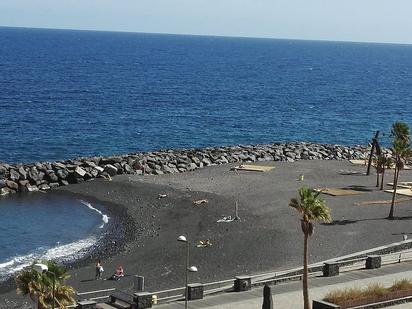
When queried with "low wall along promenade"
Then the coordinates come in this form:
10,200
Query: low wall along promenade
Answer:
48,175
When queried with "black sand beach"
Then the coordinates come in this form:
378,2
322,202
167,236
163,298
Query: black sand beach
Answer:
267,238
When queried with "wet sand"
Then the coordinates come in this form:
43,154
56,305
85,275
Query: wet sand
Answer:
267,238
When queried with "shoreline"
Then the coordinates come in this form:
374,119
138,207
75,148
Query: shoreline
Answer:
112,239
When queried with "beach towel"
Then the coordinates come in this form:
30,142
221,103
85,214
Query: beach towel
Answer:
406,192
253,168
226,219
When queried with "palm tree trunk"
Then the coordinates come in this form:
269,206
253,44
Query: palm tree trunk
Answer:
395,185
306,304
377,179
383,176
35,301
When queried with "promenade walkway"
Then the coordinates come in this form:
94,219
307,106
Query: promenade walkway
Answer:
289,295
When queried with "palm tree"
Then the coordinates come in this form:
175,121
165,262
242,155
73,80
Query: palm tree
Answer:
39,286
401,151
382,162
385,163
312,208
379,168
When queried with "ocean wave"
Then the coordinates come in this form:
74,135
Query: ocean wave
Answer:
105,218
63,253
59,253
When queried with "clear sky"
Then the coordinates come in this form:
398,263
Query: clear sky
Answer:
342,20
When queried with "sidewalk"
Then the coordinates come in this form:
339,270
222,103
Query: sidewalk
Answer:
289,295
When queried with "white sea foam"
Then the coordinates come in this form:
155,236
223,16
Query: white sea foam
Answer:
61,253
71,250
105,218
66,252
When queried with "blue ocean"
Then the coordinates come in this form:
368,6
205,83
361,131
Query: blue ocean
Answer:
65,94
46,226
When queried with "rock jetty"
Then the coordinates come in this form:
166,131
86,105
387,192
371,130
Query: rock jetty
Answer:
48,175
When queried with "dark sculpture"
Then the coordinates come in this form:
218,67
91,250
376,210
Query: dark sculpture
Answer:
267,298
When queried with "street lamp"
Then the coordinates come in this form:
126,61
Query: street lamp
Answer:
191,269
42,268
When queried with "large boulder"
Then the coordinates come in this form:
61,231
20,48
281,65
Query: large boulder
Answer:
195,160
78,180
127,169
40,166
99,169
62,174
54,185
88,176
206,161
44,187
222,160
79,172
52,177
63,182
147,170
31,188
23,183
14,175
110,160
94,173
183,159
110,169
89,164
5,190
23,173
137,165
119,168
58,165
12,185
3,172
290,154
41,176
167,170
33,174
191,166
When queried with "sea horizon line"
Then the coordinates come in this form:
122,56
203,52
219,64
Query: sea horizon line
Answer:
321,40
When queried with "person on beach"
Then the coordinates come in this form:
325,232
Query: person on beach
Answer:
99,269
118,274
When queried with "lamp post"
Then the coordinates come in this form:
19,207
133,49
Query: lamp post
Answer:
188,269
42,268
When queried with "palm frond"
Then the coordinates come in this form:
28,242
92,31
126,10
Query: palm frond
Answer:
294,203
400,131
40,286
310,205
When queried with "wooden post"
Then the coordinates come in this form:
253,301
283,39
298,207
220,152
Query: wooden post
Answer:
236,211
374,144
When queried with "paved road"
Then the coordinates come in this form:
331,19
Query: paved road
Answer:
289,296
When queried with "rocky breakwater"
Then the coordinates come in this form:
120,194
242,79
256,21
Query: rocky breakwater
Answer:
49,175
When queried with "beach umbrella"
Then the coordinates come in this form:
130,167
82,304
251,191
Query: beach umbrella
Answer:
267,298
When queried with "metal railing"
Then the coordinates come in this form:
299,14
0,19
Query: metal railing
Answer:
345,265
